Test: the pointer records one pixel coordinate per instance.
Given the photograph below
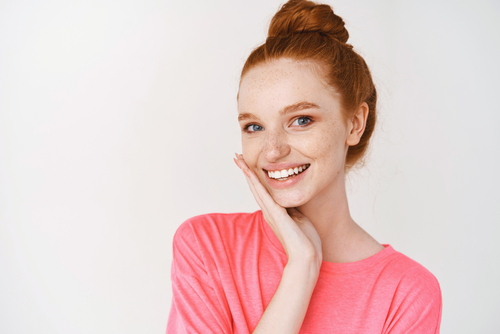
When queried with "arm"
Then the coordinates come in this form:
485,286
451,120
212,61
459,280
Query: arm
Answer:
302,244
287,309
417,304
196,305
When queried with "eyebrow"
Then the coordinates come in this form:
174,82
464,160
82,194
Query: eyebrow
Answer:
286,110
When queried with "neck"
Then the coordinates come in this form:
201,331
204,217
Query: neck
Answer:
329,211
342,239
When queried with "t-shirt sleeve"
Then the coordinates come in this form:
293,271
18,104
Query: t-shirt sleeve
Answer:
197,304
417,304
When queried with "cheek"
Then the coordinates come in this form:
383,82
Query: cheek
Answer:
333,133
319,145
326,146
250,151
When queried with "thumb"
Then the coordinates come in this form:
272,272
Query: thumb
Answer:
296,214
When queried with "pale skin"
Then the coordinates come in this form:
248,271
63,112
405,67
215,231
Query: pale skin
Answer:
310,217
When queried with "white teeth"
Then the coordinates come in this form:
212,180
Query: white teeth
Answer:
280,174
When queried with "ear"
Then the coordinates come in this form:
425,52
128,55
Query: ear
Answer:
357,124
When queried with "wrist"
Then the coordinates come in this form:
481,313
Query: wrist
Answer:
307,271
306,261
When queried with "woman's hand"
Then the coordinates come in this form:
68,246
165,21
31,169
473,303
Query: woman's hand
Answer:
295,231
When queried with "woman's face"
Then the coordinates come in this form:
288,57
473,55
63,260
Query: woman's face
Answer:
290,122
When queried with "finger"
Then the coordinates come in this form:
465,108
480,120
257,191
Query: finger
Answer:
273,213
254,183
296,215
269,216
274,210
264,194
262,205
244,167
252,178
294,212
236,162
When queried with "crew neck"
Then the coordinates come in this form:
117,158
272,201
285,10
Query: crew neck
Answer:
332,267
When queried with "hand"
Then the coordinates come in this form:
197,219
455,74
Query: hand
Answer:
295,231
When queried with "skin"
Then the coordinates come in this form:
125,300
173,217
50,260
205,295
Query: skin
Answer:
311,218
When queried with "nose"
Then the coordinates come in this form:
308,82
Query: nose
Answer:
275,146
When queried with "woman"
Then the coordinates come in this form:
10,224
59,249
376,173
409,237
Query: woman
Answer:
307,109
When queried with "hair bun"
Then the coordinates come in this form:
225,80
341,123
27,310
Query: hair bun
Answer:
299,16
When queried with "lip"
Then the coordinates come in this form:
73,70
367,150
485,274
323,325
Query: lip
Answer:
275,184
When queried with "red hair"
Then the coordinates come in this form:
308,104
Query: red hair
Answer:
305,31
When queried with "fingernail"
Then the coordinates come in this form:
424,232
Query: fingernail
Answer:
236,155
236,162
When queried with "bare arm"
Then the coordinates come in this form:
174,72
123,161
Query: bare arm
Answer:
287,309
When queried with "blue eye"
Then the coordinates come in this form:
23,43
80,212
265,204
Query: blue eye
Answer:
254,127
302,121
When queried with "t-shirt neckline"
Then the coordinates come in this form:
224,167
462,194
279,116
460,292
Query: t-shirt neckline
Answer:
332,267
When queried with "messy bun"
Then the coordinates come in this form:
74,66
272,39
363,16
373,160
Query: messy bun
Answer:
298,16
305,31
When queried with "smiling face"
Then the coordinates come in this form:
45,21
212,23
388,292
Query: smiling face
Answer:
291,119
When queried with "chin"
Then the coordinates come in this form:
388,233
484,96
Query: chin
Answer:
290,200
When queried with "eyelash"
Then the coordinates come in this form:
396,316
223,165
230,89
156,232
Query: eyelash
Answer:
308,117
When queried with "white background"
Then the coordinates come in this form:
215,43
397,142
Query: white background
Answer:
118,122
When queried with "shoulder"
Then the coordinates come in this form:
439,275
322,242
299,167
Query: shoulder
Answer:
416,301
213,222
201,244
413,276
219,218
409,277
215,228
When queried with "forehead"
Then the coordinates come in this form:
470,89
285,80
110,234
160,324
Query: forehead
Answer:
282,82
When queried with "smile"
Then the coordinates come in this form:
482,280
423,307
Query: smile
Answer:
282,175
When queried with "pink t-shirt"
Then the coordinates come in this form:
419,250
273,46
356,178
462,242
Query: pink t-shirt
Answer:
226,268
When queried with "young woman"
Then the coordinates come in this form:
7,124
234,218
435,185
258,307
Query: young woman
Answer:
307,109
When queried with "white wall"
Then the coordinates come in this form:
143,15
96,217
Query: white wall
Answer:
118,122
